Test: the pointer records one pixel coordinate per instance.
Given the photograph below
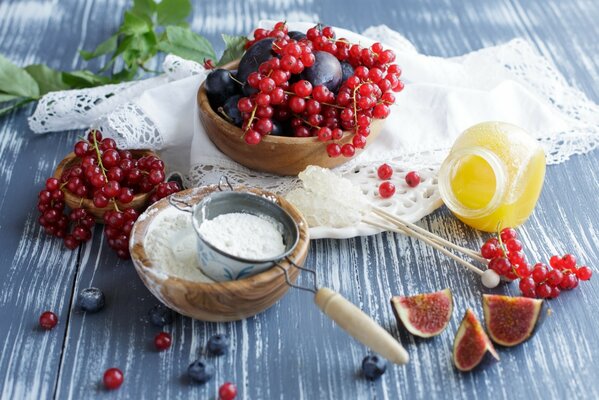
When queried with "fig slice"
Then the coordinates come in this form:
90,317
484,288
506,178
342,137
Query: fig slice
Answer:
425,314
510,320
471,343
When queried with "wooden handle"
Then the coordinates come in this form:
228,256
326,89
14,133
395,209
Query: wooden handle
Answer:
359,325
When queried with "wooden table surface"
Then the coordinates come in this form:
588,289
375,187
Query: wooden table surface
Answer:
291,351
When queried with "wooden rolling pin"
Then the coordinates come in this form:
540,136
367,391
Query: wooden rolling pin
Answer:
359,325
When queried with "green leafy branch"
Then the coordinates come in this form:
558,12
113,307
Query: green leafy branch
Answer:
148,28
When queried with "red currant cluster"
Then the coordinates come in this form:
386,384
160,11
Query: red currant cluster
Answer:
317,111
51,206
387,189
106,175
508,260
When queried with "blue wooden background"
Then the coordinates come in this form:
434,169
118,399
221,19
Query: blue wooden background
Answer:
291,351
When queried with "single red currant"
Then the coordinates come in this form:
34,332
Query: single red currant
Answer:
384,172
413,179
113,378
162,341
227,391
386,189
48,320
508,233
334,150
584,273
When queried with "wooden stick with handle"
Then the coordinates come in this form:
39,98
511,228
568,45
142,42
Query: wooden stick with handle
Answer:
359,325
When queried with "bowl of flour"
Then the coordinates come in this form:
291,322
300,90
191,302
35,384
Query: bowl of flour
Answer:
240,234
164,251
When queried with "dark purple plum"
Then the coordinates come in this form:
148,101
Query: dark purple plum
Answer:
254,56
346,70
231,111
297,35
220,86
325,71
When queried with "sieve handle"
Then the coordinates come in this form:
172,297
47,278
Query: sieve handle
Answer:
360,326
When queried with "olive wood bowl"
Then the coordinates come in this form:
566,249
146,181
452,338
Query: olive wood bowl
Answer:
74,201
216,301
281,155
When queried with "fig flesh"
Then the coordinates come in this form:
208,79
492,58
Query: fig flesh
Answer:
510,320
471,343
426,314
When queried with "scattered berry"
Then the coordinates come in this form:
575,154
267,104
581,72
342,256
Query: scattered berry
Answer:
48,320
373,367
91,300
162,341
200,371
385,172
218,344
160,315
113,378
227,391
386,189
413,179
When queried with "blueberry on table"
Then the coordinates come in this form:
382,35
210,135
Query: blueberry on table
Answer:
91,300
160,315
373,367
218,344
220,86
200,371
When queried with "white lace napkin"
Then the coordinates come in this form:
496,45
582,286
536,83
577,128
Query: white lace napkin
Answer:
442,97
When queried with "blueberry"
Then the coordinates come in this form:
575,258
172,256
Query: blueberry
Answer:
218,344
220,86
231,111
91,300
200,371
373,367
160,315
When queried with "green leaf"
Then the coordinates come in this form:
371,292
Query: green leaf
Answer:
8,97
15,80
107,46
184,43
144,8
172,12
126,74
83,79
48,79
135,25
8,109
234,48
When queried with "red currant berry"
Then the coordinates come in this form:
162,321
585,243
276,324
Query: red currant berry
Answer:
568,261
297,104
523,270
359,141
513,245
94,134
162,341
555,262
227,391
348,150
508,233
325,134
555,292
539,272
381,111
52,184
337,134
70,242
252,137
302,88
527,287
543,291
245,105
501,265
384,172
111,189
386,189
554,277
113,378
570,281
81,148
517,257
488,250
584,273
413,179
333,150
48,320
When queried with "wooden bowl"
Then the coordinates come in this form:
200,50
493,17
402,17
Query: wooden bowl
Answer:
74,201
216,301
279,155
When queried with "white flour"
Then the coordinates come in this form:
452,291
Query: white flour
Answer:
171,245
244,235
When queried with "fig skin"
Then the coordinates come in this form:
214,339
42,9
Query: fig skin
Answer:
511,320
472,341
420,307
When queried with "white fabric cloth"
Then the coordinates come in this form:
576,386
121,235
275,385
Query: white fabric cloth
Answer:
442,97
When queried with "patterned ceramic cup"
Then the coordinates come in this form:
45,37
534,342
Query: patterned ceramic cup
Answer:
222,266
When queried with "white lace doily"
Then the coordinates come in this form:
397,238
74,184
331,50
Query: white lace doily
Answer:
509,82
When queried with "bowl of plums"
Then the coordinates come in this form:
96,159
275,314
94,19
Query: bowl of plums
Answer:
298,98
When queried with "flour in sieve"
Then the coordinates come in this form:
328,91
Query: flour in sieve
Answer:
244,235
171,245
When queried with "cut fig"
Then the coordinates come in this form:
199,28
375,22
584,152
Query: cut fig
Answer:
426,314
510,320
471,343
